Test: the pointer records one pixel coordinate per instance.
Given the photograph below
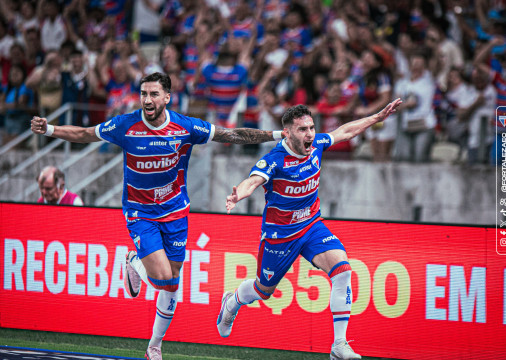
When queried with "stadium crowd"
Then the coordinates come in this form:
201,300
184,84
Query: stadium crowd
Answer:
243,62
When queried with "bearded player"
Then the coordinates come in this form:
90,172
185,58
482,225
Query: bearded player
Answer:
156,144
291,223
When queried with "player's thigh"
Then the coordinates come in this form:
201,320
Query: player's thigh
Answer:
148,240
146,236
322,248
175,237
273,261
158,266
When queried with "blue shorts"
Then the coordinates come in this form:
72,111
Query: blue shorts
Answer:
149,236
274,260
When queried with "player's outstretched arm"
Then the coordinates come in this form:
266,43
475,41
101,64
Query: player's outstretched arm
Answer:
67,132
353,128
244,135
243,190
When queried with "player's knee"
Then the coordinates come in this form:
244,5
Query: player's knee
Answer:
342,267
170,285
263,292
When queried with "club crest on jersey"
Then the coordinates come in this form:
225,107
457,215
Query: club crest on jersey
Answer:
315,162
175,144
502,120
268,274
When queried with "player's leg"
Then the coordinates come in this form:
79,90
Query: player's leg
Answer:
156,268
149,259
263,287
326,252
164,276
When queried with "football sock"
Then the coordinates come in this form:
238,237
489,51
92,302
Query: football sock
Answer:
340,299
245,294
139,267
165,307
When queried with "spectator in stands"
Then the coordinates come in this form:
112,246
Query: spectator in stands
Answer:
20,19
17,56
122,88
146,19
348,87
296,37
34,53
53,31
375,92
495,65
446,53
6,40
226,78
45,82
459,96
414,141
404,48
332,115
51,182
76,87
481,115
17,103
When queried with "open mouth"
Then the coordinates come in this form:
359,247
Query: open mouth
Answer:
307,145
149,110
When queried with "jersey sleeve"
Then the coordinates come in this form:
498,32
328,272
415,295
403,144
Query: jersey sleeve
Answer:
111,131
265,167
323,141
202,131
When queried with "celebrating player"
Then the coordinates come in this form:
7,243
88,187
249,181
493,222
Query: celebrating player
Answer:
156,144
291,223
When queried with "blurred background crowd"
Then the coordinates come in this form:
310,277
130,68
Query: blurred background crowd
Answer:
243,62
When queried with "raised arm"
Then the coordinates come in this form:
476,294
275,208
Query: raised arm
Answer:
243,190
66,132
244,135
353,128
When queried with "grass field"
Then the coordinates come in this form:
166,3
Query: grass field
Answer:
136,347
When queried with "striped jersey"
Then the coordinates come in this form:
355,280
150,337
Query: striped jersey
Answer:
291,189
155,162
224,84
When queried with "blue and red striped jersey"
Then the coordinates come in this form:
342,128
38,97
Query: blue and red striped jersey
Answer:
155,162
291,189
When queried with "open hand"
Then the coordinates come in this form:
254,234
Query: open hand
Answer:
389,109
232,199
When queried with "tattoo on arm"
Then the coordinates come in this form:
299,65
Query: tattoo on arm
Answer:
242,136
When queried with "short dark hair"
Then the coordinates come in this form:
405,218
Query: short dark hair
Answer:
163,79
293,113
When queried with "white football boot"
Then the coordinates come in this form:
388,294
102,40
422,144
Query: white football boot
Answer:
153,353
343,351
131,280
225,318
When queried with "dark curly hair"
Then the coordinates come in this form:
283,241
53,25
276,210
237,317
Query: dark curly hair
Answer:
293,113
163,79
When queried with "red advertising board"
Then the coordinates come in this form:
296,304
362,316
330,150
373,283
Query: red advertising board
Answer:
420,291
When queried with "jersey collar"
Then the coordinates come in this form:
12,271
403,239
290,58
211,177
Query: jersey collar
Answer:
166,122
288,150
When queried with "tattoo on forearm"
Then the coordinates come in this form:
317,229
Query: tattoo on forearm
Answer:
242,136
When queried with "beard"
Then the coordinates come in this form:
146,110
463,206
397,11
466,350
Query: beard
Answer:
155,115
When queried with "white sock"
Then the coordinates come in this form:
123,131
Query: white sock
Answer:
141,270
245,294
340,300
165,307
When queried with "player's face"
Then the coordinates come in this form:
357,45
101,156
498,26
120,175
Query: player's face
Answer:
50,191
300,135
153,101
